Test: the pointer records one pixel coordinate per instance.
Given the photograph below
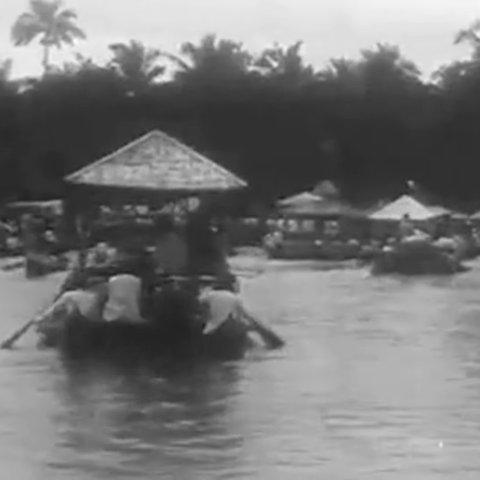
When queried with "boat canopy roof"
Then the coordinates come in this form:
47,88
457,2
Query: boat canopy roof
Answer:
155,166
407,205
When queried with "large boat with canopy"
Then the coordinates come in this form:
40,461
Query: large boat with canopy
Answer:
153,189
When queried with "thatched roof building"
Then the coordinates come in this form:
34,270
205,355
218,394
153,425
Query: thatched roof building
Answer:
406,205
160,163
324,201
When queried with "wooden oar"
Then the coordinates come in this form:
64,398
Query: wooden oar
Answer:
12,339
271,339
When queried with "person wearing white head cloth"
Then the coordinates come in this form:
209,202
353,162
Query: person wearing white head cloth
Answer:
124,297
221,303
226,319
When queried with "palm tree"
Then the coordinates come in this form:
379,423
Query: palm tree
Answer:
285,62
50,22
212,60
81,63
137,63
470,34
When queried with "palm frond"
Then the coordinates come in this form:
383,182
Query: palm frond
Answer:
73,30
176,60
67,14
45,9
469,34
154,73
25,29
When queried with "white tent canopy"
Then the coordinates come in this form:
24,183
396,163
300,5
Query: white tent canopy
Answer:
402,206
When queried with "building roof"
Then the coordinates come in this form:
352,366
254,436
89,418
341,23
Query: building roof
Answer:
54,206
298,199
439,210
405,205
321,207
159,162
326,189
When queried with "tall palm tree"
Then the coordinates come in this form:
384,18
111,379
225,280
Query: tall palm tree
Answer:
49,21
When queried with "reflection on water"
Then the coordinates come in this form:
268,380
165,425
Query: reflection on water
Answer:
380,380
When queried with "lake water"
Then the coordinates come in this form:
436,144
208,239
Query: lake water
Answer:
380,380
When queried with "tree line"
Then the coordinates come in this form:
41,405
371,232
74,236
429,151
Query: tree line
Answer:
370,124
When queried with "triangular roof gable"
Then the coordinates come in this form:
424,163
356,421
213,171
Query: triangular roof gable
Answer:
326,189
299,198
157,161
404,205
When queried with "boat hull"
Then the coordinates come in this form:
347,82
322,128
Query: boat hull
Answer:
79,337
417,259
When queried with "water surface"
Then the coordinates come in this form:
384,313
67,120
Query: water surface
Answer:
380,380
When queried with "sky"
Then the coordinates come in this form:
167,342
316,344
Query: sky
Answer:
423,29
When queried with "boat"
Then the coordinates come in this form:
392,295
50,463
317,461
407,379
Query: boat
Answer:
316,225
174,332
154,170
416,258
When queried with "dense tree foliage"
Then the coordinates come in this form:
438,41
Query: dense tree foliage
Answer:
371,123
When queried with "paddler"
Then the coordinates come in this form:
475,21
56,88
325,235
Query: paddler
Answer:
206,254
170,255
128,285
223,313
86,302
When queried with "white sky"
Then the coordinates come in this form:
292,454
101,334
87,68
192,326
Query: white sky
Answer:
424,29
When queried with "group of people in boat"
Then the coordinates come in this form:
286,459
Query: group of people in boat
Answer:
452,242
181,284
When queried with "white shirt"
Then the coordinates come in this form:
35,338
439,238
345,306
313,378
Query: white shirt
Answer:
86,302
221,305
123,299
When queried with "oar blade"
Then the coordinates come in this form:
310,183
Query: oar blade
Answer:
9,342
269,336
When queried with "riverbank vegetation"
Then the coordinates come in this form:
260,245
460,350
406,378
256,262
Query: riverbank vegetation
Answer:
369,123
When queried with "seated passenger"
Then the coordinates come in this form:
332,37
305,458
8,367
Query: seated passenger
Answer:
170,254
221,304
13,244
206,254
124,298
101,254
87,302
